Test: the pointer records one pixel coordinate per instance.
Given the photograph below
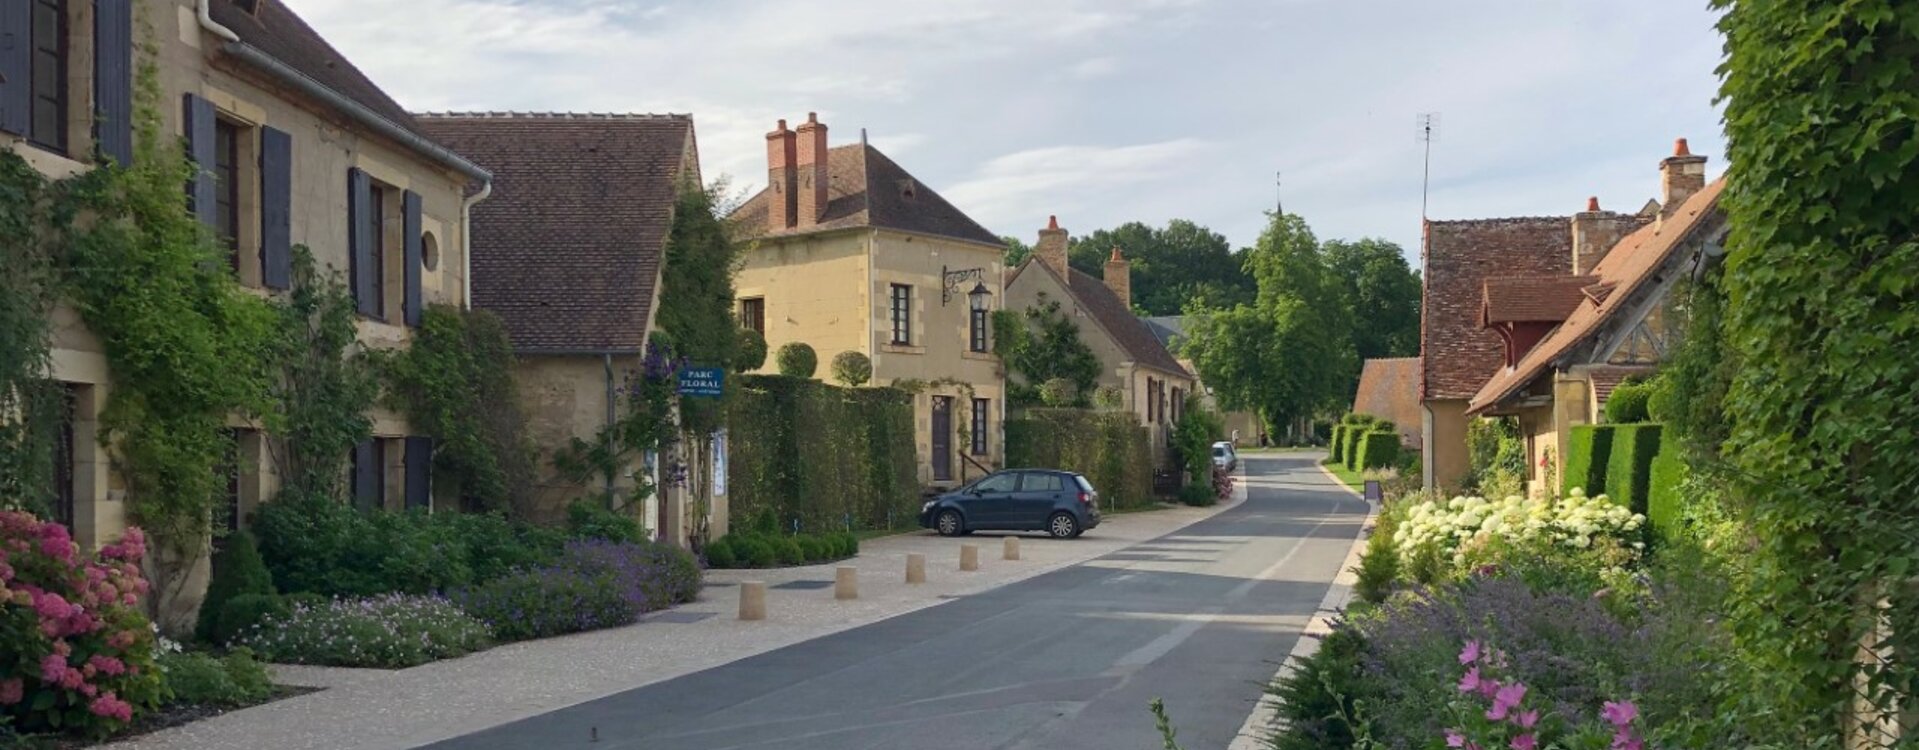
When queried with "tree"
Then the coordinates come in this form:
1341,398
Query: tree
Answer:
1042,347
1016,251
1170,266
1822,316
1383,292
1287,354
696,295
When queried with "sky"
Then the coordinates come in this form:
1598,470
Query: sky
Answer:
1108,111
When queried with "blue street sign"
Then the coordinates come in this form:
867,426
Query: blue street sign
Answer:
704,382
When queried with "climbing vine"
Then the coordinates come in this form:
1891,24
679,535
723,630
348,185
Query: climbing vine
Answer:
28,404
644,425
455,383
323,384
1044,346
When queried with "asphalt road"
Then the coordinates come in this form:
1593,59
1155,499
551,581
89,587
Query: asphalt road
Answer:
1200,617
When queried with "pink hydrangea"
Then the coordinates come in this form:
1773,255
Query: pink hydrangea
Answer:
110,706
12,691
56,543
107,665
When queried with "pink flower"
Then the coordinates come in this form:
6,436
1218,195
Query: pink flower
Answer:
55,543
1525,742
1470,681
52,668
122,639
1625,741
1455,739
11,691
1505,700
1526,720
108,665
1619,714
112,707
1470,654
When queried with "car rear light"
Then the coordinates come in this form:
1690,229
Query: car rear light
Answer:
1085,499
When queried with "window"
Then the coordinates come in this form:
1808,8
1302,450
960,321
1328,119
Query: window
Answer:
226,186
63,459
1152,400
369,474
49,74
1043,482
979,426
753,314
902,314
1002,482
978,338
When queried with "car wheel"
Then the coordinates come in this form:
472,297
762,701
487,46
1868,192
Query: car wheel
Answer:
1063,526
950,523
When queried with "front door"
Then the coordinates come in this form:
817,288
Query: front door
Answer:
942,438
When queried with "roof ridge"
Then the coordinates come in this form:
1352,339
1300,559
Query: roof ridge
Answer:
514,115
1499,219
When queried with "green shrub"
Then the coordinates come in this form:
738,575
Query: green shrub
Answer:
586,519
787,550
200,679
1627,403
1109,448
1378,450
1349,451
1629,464
797,360
1379,564
1316,699
852,369
752,352
239,614
1197,495
1588,449
756,553
805,454
1665,503
237,571
320,545
812,549
719,553
389,631
1059,393
1336,444
1662,399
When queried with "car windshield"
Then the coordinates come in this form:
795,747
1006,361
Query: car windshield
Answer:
1219,451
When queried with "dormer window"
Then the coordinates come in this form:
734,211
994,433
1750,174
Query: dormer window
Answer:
908,188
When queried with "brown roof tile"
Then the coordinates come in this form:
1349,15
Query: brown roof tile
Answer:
1457,355
1607,377
865,188
1389,389
1624,270
1531,299
276,30
568,248
1132,334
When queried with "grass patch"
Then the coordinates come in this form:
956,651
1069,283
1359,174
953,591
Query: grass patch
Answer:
1350,477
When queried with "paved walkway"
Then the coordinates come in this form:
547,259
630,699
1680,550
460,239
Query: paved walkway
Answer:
364,708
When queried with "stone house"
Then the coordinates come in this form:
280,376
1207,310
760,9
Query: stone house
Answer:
853,253
1389,389
1153,383
296,147
568,252
1607,320
1244,425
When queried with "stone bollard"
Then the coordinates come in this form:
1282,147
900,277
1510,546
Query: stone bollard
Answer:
1012,548
846,583
752,600
915,568
969,557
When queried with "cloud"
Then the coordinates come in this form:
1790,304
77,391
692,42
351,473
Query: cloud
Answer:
1016,187
1093,67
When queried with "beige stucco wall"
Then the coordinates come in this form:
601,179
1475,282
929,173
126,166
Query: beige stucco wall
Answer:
1539,428
1445,455
814,291
565,397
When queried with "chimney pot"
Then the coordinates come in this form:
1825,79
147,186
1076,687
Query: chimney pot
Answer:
1592,203
1679,148
1052,222
1051,249
1681,176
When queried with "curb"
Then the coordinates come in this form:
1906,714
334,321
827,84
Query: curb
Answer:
1265,713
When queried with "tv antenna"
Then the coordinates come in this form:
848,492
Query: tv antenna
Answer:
1279,206
1428,132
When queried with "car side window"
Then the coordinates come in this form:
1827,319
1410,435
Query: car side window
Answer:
1037,482
998,483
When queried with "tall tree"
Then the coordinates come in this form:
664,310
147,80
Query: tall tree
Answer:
1383,292
1287,354
1016,251
1170,266
1822,315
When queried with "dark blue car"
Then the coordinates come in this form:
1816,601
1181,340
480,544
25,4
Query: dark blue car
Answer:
1060,503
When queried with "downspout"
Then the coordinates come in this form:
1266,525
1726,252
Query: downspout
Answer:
611,417
212,26
466,243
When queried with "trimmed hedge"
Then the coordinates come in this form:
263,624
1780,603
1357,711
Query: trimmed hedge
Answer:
1110,448
1349,448
1629,402
820,458
1378,449
1629,465
1663,501
1589,448
1337,443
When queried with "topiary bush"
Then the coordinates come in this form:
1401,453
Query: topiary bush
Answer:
1058,393
852,369
1109,397
201,679
1588,449
756,553
719,554
751,354
1629,464
239,614
1336,445
237,571
1628,403
1378,449
797,360
1197,495
1665,505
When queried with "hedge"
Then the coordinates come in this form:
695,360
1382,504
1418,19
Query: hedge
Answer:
1629,465
1349,448
1336,443
819,457
1663,501
1378,449
1588,450
1109,447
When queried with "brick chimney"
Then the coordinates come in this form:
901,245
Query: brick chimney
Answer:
1119,278
1681,175
1051,248
780,176
812,171
1595,232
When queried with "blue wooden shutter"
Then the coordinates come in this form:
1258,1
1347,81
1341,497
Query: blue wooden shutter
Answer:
199,119
16,67
366,474
359,210
113,78
276,208
419,472
410,227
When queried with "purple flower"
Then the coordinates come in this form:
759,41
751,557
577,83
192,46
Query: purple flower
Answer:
1525,742
1619,714
1469,682
1455,739
1505,700
1469,654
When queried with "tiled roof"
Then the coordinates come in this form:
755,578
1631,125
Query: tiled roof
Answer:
1167,328
1389,388
1626,269
1130,332
276,30
1607,377
1532,299
568,248
1457,354
865,188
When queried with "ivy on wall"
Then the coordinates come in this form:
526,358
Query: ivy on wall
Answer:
455,383
645,424
28,404
323,387
1039,345
819,457
1109,447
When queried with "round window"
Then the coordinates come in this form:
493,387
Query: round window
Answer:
430,252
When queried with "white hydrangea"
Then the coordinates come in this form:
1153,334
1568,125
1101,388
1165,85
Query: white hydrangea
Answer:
1574,521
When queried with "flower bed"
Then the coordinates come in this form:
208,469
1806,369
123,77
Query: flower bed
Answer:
594,584
391,631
